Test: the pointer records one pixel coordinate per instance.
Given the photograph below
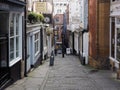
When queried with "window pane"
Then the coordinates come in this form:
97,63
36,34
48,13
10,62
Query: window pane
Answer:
12,44
113,37
118,44
17,46
35,47
12,25
17,24
11,56
36,43
11,48
36,36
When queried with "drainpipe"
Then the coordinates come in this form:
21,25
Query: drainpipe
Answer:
41,43
25,37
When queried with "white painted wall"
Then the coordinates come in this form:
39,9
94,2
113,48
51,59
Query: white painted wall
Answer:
76,35
83,25
85,47
59,6
74,21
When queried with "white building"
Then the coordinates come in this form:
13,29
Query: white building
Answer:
83,38
59,6
115,34
38,43
74,23
78,21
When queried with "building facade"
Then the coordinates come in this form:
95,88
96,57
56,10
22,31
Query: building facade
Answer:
11,41
58,25
74,25
38,42
115,34
83,34
59,6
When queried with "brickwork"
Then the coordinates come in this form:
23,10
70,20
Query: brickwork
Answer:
99,32
92,62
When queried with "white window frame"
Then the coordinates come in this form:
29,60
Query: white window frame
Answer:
16,59
117,26
38,40
115,49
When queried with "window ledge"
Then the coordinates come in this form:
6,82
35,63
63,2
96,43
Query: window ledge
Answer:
113,59
14,61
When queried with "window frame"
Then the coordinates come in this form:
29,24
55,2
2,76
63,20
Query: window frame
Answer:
38,40
15,36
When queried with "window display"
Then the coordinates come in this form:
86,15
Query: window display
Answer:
118,44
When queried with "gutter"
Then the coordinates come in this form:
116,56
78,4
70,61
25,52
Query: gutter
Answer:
25,37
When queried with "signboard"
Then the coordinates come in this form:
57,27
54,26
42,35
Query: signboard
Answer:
47,18
40,6
68,51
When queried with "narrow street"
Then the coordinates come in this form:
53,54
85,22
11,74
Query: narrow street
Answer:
67,74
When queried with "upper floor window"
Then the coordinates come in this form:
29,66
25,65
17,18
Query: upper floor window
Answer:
65,5
59,11
57,19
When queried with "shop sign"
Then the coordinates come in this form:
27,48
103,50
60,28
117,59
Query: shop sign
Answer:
40,6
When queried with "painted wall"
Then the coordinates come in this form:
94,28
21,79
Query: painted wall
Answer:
83,39
85,46
59,6
76,43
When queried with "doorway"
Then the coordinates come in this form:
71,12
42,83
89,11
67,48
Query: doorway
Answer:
4,56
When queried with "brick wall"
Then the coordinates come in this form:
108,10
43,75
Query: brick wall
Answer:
99,33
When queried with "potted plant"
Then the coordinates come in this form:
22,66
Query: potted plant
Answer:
40,17
49,31
34,17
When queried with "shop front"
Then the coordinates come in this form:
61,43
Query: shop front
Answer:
11,27
115,36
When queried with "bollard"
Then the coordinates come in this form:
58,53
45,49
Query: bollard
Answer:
51,60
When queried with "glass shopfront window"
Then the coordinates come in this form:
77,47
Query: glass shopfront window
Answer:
118,45
113,37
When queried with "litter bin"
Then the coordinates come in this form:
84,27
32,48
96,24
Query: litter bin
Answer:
51,60
83,61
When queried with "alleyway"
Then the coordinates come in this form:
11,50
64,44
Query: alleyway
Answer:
67,74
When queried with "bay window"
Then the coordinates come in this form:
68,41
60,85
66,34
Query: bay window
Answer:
15,34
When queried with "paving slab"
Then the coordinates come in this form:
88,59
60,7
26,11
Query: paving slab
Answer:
67,74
